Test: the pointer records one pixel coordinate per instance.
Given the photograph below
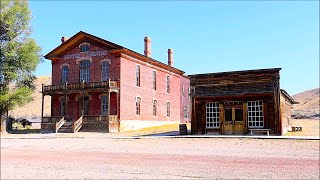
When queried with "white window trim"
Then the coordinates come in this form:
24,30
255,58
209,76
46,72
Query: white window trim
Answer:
256,101
214,116
65,64
156,107
84,59
136,76
156,79
108,108
166,80
167,109
84,43
105,60
139,105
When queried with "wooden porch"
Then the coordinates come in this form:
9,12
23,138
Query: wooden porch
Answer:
84,123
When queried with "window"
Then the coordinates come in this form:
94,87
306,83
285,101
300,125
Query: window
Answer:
62,106
154,105
85,71
138,101
105,71
84,48
168,84
189,92
255,114
186,112
64,74
182,90
104,105
168,109
212,115
154,80
138,75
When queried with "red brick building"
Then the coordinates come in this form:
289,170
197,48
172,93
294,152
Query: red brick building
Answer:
98,85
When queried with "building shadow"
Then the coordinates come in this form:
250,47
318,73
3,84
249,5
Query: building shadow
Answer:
25,131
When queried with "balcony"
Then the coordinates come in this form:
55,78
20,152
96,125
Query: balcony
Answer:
78,87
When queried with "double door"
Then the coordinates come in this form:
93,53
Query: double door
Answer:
233,120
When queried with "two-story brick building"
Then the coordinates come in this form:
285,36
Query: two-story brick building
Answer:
98,85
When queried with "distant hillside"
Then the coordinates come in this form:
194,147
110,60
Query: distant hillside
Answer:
33,109
308,106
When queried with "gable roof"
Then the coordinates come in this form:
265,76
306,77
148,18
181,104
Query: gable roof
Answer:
286,95
81,36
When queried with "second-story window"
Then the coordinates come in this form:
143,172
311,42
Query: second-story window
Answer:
168,84
154,80
154,106
138,100
85,71
84,48
138,75
64,74
182,90
105,71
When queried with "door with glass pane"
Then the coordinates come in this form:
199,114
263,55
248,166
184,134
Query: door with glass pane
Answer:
233,118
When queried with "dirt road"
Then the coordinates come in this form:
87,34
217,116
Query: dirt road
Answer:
105,158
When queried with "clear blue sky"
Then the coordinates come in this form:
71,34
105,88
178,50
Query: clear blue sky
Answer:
206,36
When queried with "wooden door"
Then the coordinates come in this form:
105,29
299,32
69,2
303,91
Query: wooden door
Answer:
233,119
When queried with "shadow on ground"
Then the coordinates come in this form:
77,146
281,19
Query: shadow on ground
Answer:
25,131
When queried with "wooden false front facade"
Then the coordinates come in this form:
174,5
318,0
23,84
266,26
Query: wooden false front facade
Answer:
234,102
79,108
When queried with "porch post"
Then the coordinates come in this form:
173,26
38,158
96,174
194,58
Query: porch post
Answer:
82,110
42,106
66,101
108,103
118,111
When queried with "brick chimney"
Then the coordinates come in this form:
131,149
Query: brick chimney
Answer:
170,57
147,46
64,39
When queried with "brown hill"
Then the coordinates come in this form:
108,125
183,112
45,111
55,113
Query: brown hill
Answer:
308,106
33,109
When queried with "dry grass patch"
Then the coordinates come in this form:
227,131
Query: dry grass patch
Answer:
157,129
310,127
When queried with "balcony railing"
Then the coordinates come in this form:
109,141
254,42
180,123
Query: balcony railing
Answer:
80,86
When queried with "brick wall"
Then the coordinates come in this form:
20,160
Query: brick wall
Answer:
185,98
129,91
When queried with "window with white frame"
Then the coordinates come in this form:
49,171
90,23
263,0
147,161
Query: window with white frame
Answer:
255,114
84,48
182,90
105,71
168,84
64,74
138,101
186,112
138,75
154,105
154,80
212,115
104,105
168,109
85,71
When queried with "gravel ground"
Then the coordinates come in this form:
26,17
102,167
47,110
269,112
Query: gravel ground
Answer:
105,158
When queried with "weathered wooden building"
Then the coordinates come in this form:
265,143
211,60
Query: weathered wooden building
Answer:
239,101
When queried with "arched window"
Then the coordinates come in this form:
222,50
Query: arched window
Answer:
168,84
168,109
154,105
85,71
64,74
84,48
105,71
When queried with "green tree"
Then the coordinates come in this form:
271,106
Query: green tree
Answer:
19,56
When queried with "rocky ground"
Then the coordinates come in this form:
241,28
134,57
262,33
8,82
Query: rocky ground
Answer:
159,158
